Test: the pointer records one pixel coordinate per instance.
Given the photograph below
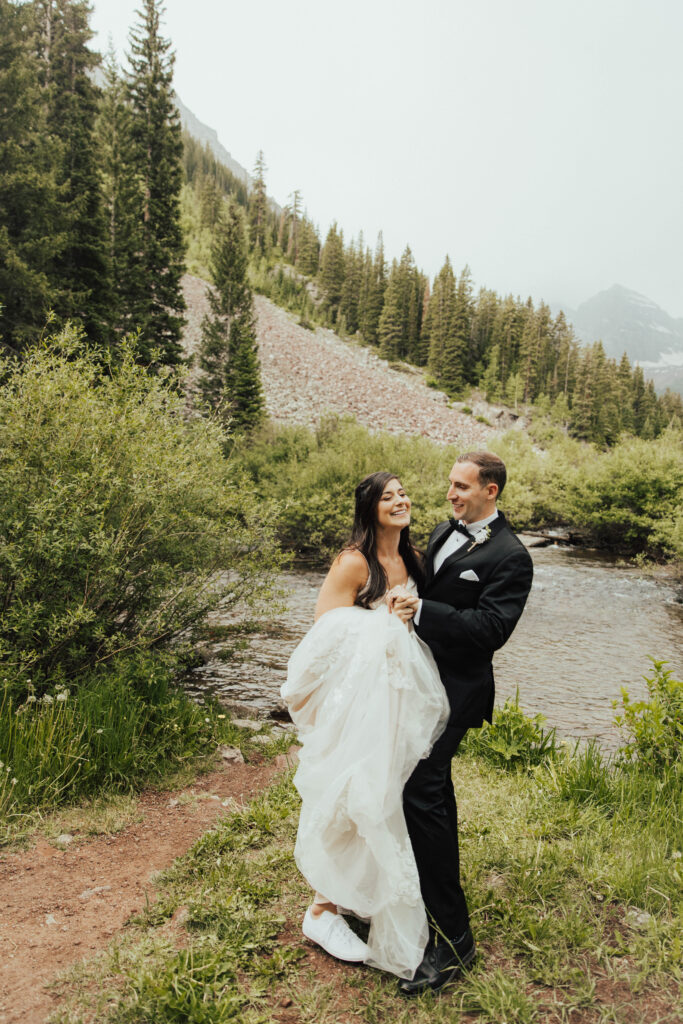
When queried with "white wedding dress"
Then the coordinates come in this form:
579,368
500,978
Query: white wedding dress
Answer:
374,705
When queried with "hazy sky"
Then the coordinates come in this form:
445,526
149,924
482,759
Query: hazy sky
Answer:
539,141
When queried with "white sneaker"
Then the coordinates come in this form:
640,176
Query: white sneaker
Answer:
334,935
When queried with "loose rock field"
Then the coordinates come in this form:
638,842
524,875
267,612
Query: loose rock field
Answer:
309,374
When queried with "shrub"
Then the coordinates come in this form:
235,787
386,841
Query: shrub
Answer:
121,521
653,727
512,739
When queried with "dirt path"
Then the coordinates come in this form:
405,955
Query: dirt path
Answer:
61,905
308,374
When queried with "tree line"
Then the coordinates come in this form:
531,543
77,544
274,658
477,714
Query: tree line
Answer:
91,177
516,351
101,192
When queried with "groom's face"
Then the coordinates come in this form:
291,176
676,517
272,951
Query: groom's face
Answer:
470,499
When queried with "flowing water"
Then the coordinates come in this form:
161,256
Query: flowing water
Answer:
587,630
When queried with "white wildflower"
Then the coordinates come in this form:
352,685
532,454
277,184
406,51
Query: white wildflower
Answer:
48,699
31,699
676,855
100,731
14,782
62,695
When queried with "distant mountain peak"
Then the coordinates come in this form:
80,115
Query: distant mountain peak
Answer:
627,321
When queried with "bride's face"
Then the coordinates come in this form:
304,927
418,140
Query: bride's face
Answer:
393,508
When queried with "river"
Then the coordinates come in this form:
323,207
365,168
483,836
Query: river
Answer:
587,630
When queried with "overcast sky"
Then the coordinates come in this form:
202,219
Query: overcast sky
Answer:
539,141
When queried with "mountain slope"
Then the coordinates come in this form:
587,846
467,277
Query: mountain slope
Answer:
626,321
203,133
309,374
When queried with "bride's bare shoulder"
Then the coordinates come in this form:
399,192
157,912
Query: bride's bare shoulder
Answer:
350,566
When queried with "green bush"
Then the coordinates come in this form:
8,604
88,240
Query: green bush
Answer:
653,727
512,739
121,521
629,498
315,474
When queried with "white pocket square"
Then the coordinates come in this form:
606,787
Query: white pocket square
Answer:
469,574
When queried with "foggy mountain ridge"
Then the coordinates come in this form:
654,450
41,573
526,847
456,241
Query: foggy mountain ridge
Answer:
626,321
204,134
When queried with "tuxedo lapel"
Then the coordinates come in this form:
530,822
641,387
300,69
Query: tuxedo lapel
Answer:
465,549
438,538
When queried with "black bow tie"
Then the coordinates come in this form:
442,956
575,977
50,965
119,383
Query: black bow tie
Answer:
461,528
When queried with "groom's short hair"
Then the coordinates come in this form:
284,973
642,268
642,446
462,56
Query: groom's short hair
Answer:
491,469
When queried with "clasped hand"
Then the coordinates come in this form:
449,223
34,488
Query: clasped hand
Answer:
402,603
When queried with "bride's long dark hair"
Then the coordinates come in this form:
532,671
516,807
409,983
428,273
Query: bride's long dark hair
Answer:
364,538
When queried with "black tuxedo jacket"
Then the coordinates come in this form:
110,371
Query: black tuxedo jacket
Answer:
464,622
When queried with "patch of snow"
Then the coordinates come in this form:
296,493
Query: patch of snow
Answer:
666,359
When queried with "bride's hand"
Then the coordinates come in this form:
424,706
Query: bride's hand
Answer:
402,603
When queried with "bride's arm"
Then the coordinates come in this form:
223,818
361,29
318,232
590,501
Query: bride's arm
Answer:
347,575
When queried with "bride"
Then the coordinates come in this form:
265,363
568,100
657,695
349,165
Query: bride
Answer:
368,703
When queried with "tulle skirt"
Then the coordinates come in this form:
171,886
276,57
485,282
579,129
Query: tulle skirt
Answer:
368,703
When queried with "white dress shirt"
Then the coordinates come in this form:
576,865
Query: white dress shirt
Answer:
454,541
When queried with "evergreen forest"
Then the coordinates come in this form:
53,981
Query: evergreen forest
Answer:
105,201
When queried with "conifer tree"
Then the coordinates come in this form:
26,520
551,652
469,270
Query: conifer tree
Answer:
625,393
331,276
158,302
122,196
31,201
349,302
258,207
81,268
294,225
392,320
439,322
228,355
455,346
376,288
308,255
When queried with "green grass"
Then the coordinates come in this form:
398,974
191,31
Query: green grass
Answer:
127,727
575,901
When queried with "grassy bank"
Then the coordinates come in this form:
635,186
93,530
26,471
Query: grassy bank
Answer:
573,870
112,734
627,499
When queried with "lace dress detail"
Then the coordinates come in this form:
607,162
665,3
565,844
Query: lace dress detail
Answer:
368,703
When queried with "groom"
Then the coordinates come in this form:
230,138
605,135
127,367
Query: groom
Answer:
478,577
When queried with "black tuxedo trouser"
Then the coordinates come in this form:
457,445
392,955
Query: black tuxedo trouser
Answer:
432,818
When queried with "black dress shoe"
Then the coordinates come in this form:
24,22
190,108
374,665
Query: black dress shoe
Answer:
443,963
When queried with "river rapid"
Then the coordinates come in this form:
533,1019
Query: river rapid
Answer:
588,628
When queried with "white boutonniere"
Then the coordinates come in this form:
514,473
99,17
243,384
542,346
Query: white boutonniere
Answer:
480,537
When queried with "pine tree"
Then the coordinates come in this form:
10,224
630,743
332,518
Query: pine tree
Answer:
122,196
81,268
391,322
31,201
454,369
158,303
490,382
376,287
625,393
228,355
349,303
331,276
308,255
439,322
294,226
258,207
